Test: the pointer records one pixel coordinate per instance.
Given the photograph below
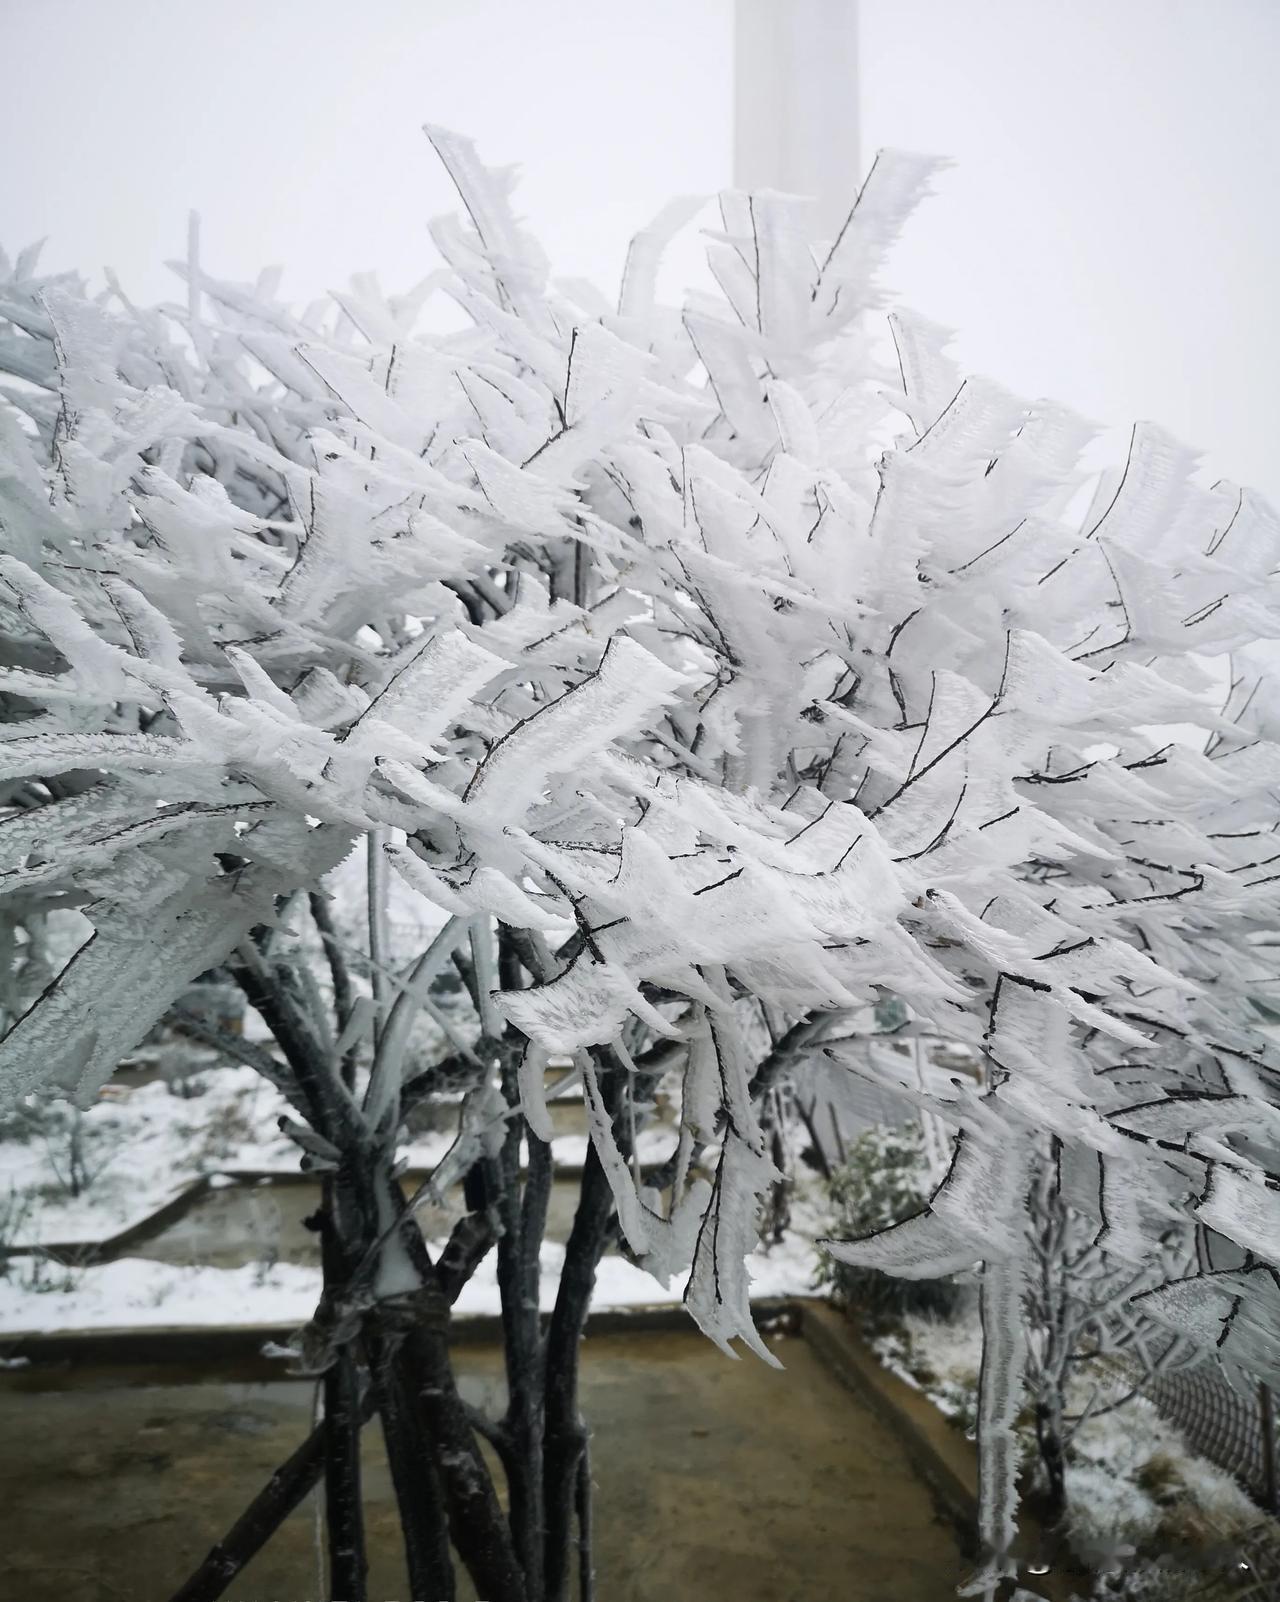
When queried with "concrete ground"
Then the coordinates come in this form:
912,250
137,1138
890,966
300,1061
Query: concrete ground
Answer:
717,1481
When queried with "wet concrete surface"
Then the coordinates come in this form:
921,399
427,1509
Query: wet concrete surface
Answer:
716,1481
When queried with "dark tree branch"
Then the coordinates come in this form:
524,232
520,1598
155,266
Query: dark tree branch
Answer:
415,1473
296,1477
300,1473
344,1509
586,1533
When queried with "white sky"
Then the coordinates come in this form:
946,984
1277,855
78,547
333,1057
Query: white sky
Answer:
1109,236
294,127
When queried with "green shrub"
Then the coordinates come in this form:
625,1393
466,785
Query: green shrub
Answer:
884,1179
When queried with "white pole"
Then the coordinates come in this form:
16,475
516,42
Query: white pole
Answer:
796,101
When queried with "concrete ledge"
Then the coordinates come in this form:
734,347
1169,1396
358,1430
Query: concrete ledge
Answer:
942,1457
196,1350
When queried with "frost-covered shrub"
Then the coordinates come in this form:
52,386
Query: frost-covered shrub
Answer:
15,1215
884,1181
75,1152
1142,1504
1092,1347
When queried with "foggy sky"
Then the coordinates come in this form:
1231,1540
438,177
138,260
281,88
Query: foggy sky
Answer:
1108,236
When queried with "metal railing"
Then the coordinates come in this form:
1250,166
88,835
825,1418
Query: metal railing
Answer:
1231,1424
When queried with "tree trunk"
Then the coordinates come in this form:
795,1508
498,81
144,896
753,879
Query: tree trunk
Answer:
478,1530
1053,1456
344,1506
586,1530
301,1472
565,1438
414,1473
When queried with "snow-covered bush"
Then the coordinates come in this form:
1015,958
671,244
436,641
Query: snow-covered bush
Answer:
1092,1347
687,662
885,1179
15,1210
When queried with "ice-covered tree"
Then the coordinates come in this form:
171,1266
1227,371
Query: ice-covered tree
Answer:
1092,1345
719,673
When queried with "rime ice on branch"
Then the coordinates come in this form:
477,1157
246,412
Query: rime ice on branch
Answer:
748,646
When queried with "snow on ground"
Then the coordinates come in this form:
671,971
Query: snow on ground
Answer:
139,1148
939,1356
142,1146
1126,1465
137,1293
653,1145
134,1292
